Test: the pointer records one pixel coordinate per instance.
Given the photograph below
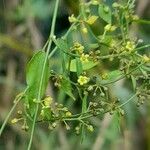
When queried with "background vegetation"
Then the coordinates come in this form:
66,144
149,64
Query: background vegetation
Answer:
24,28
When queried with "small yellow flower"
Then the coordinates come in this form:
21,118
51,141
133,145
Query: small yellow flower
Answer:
84,58
110,28
91,20
113,28
68,114
83,80
42,113
94,2
107,27
48,101
146,59
84,30
78,48
104,76
72,18
15,120
90,128
135,17
115,5
130,46
113,43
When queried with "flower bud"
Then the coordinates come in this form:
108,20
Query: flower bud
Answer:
90,128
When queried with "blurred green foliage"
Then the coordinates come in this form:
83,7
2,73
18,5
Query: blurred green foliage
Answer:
16,47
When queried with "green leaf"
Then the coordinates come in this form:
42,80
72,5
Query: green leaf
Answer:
62,44
114,74
33,78
112,132
46,114
79,67
107,40
105,13
144,72
111,76
66,87
85,66
146,68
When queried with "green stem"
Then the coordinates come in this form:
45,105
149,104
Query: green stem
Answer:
142,21
142,47
127,101
84,102
82,9
10,112
42,75
7,117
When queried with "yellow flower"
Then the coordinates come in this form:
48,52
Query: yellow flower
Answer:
130,46
94,2
84,58
15,120
42,113
84,30
135,17
78,47
72,18
48,101
110,28
68,114
146,59
115,5
90,128
83,80
92,19
104,75
113,43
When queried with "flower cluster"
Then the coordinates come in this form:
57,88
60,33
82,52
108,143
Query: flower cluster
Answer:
83,80
110,28
77,47
130,46
72,18
84,58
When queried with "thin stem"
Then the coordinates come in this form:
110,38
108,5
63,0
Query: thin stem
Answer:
7,117
142,47
127,101
142,21
42,75
10,112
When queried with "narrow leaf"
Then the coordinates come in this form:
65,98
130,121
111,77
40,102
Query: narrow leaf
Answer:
66,87
79,67
85,66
